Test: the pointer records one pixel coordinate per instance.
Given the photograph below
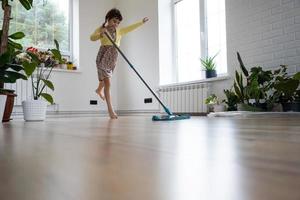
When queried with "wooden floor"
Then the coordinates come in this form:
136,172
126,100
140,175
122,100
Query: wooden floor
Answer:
133,158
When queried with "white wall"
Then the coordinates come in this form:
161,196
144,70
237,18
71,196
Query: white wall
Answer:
74,90
265,32
141,48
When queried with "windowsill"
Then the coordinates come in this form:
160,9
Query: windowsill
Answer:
66,70
207,80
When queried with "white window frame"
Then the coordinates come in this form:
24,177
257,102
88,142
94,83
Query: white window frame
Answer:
71,53
203,34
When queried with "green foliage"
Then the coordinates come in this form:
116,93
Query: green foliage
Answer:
239,87
212,100
208,63
264,87
10,72
257,83
27,4
41,24
39,71
286,87
231,100
242,66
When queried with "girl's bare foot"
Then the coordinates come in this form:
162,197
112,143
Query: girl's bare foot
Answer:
100,94
113,115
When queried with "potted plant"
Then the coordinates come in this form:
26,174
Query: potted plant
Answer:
287,91
231,100
254,92
2,103
209,66
70,65
9,72
214,103
40,68
63,64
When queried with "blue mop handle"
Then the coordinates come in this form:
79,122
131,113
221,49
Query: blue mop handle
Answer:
129,63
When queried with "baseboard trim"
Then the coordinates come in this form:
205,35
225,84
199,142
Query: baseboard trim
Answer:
53,114
102,113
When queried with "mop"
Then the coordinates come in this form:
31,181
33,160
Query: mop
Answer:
170,116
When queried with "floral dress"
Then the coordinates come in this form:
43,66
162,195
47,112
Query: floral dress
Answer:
107,58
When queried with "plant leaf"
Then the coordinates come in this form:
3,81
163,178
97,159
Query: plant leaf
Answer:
4,59
56,44
17,36
49,84
34,57
297,76
56,54
246,73
16,67
15,45
29,67
237,91
48,97
13,76
27,4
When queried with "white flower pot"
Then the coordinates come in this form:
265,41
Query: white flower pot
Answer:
2,105
219,108
34,110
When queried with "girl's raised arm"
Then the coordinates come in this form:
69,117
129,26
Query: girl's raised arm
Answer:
132,27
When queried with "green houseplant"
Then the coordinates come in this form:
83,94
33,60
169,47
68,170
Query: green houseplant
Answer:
39,65
214,103
287,92
231,100
253,92
9,71
209,66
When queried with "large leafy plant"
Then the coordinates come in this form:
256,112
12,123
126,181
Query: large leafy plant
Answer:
39,67
9,71
287,87
256,85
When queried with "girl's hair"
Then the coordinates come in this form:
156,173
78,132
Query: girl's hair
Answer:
113,13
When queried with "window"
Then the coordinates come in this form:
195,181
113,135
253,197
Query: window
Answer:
216,33
200,31
46,21
187,33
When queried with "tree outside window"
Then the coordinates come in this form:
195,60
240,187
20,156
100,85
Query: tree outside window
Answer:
46,21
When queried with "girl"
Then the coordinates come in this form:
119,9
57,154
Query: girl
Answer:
107,55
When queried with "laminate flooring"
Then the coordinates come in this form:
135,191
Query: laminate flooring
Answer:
133,158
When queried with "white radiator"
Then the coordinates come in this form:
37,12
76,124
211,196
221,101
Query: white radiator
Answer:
184,98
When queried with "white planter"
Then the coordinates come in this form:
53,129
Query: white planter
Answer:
34,110
219,108
2,105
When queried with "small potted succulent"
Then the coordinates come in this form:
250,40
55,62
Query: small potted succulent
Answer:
209,66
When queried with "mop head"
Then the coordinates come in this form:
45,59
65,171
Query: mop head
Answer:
170,117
